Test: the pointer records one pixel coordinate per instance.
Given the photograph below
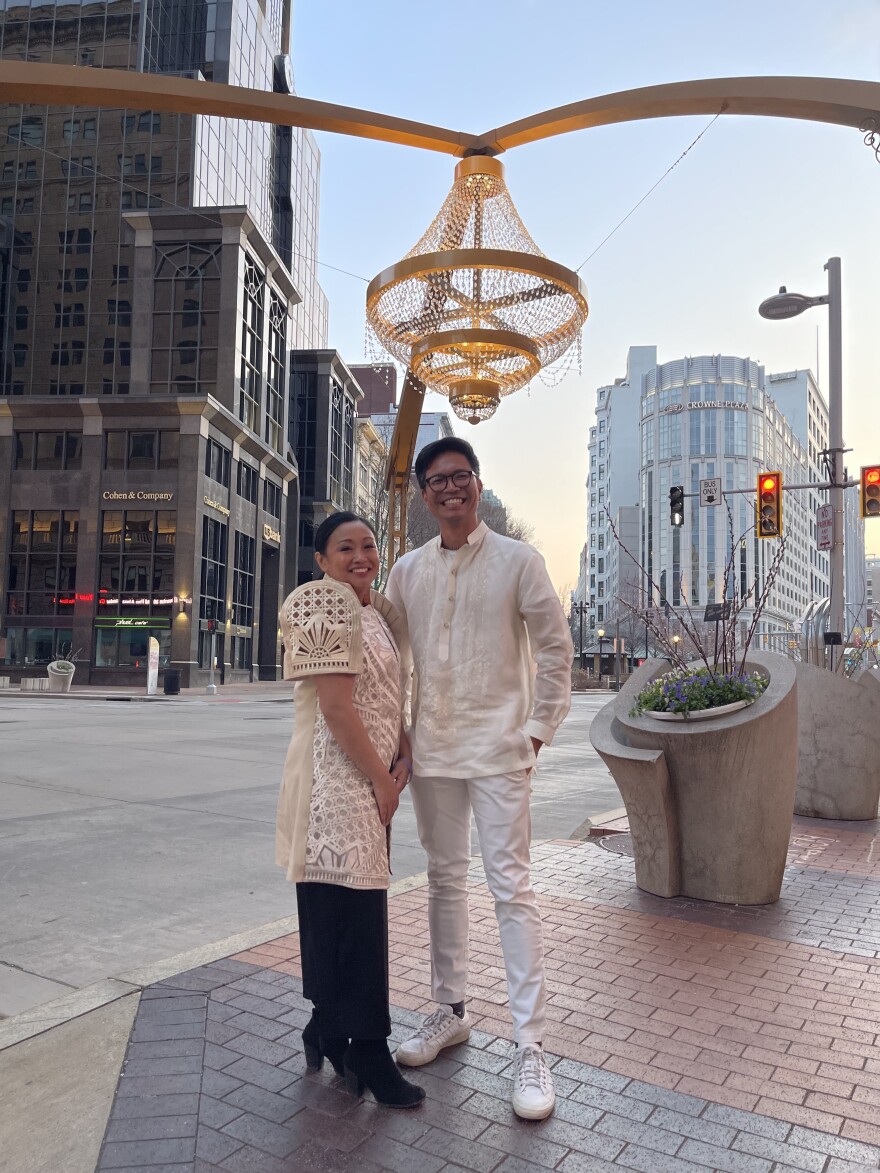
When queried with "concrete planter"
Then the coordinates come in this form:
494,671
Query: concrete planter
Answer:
60,679
839,743
709,802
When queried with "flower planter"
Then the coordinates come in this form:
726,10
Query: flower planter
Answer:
60,678
709,802
698,714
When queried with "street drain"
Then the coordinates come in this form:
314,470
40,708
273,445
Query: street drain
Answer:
620,844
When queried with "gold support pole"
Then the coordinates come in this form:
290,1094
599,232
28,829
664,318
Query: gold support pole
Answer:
400,460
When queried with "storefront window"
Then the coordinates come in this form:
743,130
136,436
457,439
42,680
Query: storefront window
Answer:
129,648
213,570
136,574
21,520
241,652
25,646
166,531
41,569
138,530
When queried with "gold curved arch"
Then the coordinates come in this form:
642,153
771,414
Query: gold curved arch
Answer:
820,99
817,99
118,89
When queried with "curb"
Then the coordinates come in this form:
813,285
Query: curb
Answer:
138,698
48,1015
600,825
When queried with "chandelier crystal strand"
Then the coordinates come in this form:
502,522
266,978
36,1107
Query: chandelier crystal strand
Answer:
475,308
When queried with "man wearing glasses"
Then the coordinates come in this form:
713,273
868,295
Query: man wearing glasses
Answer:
491,684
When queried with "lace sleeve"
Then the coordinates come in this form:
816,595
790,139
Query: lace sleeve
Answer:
321,631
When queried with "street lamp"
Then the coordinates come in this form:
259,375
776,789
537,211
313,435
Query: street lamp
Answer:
601,635
789,305
676,640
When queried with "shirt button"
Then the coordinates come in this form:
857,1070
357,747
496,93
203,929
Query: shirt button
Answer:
445,624
451,599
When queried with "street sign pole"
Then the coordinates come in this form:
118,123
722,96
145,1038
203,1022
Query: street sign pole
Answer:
212,687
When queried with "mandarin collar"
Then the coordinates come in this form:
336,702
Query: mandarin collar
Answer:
474,538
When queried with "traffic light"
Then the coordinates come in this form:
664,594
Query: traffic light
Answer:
212,625
676,505
769,521
869,490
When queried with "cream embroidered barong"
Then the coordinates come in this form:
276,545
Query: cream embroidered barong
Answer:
328,828
492,654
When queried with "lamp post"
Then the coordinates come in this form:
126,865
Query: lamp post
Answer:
789,305
579,609
676,640
601,635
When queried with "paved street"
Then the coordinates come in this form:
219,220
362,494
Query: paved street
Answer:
133,831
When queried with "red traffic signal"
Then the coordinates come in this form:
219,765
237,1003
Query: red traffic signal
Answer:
212,625
769,506
869,490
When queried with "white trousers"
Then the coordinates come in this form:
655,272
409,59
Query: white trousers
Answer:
501,807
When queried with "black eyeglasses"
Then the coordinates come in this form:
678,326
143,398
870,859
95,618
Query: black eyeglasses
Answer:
459,478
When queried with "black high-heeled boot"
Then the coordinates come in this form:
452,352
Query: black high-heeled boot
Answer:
318,1048
368,1063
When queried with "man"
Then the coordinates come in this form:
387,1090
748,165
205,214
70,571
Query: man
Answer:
492,682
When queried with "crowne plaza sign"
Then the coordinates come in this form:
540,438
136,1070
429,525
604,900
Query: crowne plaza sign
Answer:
728,403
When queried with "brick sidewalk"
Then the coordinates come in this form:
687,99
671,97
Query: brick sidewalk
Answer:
685,1036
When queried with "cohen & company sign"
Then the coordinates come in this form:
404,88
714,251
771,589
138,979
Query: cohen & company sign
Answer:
218,505
136,495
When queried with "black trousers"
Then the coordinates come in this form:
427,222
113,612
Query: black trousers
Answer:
343,936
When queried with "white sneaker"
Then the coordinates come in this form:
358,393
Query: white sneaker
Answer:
441,1029
534,1097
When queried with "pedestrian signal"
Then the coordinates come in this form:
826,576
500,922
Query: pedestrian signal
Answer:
212,625
676,505
769,523
869,490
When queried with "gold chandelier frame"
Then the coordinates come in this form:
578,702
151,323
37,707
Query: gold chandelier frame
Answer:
532,264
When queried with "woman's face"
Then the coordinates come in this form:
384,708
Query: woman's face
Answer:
351,556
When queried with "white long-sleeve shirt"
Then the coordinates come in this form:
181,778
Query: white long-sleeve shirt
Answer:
491,652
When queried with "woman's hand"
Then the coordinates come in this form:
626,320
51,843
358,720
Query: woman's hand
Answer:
387,798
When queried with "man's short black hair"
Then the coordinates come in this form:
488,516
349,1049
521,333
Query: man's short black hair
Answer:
430,453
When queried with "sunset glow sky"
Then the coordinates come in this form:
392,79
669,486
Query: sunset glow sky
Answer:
756,204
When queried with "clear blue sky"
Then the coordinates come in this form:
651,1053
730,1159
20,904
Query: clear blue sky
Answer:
757,203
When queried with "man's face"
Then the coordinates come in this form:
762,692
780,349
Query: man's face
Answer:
449,501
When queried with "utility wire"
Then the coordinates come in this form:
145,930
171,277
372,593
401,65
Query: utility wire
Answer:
652,188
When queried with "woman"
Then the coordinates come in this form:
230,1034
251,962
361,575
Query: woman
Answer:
348,761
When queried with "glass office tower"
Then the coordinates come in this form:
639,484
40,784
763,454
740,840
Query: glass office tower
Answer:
155,272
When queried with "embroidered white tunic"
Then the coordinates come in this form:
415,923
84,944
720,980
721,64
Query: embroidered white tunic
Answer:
492,654
328,827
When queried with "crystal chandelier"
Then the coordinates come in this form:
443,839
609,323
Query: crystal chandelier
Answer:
475,309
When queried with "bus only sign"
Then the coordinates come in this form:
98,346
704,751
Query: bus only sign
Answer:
824,527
